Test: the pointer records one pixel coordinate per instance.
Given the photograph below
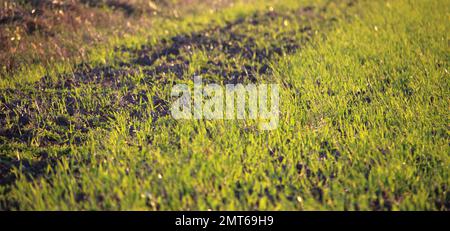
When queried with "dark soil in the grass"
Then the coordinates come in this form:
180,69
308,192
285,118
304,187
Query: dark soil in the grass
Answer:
34,114
233,53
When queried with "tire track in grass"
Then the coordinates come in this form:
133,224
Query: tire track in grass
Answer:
233,54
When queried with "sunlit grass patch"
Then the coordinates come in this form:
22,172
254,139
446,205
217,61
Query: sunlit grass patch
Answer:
363,122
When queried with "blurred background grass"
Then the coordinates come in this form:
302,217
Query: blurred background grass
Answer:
45,32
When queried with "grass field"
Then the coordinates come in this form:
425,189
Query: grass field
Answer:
364,113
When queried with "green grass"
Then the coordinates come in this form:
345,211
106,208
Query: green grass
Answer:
363,124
